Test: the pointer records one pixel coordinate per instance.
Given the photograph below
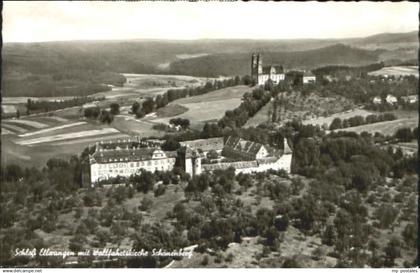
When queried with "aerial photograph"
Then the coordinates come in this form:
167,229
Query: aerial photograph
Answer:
154,134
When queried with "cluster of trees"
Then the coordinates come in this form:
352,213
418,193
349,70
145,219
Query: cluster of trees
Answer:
34,106
151,104
406,134
183,122
102,115
340,71
361,90
338,123
251,104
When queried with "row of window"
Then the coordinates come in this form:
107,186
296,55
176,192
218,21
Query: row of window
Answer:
137,164
128,171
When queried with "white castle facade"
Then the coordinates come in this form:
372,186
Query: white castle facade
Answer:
126,157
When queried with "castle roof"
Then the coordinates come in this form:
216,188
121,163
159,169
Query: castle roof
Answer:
242,145
128,155
215,143
226,165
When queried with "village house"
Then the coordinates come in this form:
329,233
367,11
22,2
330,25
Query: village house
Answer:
410,99
308,77
390,99
377,100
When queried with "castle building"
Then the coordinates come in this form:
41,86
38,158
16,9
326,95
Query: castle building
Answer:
126,157
261,74
125,161
253,157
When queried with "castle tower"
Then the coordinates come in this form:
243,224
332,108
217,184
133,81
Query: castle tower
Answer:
254,65
259,60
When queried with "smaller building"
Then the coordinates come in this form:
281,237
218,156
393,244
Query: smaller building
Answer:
390,99
308,77
377,100
410,99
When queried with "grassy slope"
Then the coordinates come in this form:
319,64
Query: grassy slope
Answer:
210,106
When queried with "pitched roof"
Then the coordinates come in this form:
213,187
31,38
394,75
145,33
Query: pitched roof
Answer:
244,146
225,165
278,69
127,155
215,143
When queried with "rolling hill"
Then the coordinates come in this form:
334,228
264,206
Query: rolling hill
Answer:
82,63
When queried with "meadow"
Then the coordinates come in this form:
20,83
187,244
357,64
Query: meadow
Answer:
397,71
200,109
386,127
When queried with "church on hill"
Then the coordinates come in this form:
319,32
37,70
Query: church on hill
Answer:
261,74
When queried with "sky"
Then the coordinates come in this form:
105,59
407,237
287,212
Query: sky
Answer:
62,20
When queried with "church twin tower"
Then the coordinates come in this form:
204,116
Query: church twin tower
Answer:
261,74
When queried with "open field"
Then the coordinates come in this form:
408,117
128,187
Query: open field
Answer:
7,109
386,127
83,134
13,128
52,129
34,124
208,107
408,148
396,71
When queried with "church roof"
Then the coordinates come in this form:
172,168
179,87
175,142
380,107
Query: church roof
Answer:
278,69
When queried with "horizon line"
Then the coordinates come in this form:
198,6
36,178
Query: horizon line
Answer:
201,39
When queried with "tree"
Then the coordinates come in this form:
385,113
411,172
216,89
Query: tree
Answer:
212,154
386,214
329,236
336,124
106,117
115,108
404,134
291,263
146,204
392,251
171,145
148,105
410,235
140,113
135,107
